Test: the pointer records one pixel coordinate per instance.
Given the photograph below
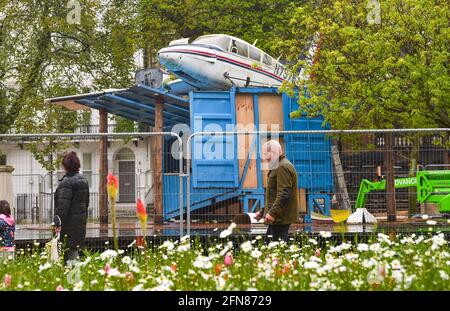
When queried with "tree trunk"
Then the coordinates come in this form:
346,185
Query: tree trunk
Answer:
103,169
157,158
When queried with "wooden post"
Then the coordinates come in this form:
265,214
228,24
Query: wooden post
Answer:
445,152
157,158
390,177
103,169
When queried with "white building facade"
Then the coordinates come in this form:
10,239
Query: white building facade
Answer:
33,185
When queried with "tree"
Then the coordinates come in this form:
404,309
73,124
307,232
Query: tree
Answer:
382,64
44,55
376,75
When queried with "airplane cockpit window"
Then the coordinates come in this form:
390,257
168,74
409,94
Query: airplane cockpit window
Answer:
219,41
267,60
240,48
255,54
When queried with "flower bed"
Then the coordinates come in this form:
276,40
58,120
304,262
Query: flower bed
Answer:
403,263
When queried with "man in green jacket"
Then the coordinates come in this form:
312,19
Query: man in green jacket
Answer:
281,203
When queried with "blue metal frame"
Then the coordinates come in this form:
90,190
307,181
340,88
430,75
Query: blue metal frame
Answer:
137,104
201,194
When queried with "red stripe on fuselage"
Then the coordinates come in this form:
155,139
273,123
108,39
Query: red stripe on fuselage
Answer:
201,53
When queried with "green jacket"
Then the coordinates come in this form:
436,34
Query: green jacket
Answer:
281,200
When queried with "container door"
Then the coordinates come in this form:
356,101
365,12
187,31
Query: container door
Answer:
214,160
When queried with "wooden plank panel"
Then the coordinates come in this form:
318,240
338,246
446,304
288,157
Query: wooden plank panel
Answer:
302,200
270,109
246,122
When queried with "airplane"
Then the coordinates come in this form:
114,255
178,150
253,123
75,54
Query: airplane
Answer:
219,62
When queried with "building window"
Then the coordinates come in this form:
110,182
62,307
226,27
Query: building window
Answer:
87,167
2,159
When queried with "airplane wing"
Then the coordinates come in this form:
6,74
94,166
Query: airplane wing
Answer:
179,86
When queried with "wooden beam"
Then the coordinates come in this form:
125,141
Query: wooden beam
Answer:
157,158
103,168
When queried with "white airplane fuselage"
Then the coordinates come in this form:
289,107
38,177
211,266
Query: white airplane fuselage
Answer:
208,67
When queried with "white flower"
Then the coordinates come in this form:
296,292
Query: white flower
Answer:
78,286
362,247
168,245
351,256
126,260
389,253
232,226
44,267
246,246
184,239
418,263
345,246
431,222
356,283
375,247
311,265
184,248
273,244
204,275
384,238
313,241
396,264
225,233
138,287
325,234
114,272
397,275
163,285
202,262
438,241
256,253
407,240
293,248
108,254
93,282
368,263
419,239
425,216
443,275
220,283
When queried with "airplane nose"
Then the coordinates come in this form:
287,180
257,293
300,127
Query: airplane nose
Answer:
167,58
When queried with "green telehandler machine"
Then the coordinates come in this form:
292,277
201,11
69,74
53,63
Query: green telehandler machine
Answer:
433,186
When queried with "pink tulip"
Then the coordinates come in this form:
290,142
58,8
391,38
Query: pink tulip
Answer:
59,288
228,260
107,268
317,252
7,280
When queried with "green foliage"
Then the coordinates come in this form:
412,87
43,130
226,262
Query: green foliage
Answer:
404,262
368,75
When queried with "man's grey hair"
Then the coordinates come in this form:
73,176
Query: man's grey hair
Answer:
274,146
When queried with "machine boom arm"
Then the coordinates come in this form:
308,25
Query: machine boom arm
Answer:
368,186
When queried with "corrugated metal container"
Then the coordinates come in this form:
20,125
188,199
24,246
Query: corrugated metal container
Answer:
228,167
